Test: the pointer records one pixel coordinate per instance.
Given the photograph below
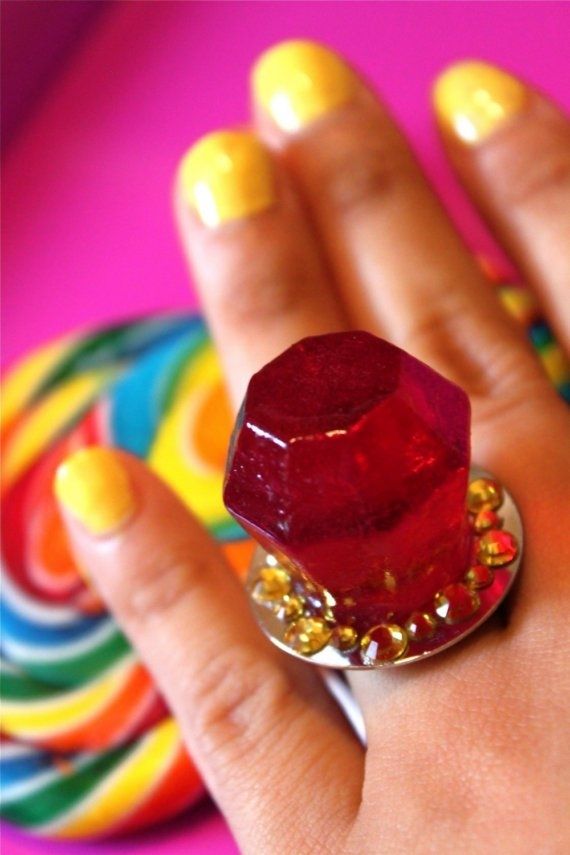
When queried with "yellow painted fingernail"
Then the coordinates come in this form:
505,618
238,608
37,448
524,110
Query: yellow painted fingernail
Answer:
227,175
474,99
297,82
94,487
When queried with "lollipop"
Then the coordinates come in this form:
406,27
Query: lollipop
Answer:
89,747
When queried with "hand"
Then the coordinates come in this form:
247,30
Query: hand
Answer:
320,219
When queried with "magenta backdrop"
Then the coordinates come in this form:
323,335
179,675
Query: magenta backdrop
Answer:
88,233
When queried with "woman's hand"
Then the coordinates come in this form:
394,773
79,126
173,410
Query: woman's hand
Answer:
320,219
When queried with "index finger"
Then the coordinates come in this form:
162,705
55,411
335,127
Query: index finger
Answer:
260,275
247,711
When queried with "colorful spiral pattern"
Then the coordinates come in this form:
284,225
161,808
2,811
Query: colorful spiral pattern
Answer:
88,747
521,304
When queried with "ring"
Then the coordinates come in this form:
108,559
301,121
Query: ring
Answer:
379,543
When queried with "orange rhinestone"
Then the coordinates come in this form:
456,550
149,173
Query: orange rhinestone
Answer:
345,638
383,643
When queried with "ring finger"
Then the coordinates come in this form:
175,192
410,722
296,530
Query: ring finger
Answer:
400,264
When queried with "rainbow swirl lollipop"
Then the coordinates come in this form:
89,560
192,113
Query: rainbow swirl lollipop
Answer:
88,746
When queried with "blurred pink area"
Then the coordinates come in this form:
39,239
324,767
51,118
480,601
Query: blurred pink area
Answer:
88,234
37,38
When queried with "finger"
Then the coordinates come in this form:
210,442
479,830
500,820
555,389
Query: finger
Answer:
389,242
511,148
399,262
261,729
260,276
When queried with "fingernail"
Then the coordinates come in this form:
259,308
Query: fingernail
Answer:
227,175
94,487
297,82
474,99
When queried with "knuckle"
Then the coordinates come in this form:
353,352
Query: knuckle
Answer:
488,366
358,161
263,292
160,586
356,178
537,169
238,701
267,280
540,179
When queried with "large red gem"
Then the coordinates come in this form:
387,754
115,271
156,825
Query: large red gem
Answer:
351,459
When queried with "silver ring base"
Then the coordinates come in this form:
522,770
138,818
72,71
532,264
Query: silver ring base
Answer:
446,635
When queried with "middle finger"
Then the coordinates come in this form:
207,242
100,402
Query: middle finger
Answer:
400,264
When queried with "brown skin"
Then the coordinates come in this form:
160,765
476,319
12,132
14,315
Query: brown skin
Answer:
467,752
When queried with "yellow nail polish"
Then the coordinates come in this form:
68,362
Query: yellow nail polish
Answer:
94,487
300,81
227,175
473,99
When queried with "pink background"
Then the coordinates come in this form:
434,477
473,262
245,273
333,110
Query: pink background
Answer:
88,233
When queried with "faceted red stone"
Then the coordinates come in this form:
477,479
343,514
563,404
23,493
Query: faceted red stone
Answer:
351,458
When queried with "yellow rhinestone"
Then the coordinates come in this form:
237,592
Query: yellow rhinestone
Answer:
308,635
383,643
271,586
483,494
345,638
291,607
